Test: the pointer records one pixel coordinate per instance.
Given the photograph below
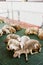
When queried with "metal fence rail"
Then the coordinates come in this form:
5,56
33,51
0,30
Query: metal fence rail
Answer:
22,15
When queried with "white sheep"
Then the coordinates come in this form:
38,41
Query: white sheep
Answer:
13,44
12,36
32,46
23,39
8,29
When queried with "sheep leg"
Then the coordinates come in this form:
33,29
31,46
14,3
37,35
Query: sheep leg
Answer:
26,57
40,50
33,53
19,56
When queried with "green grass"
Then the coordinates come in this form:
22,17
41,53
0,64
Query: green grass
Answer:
6,57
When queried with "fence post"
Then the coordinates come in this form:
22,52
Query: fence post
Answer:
8,13
42,23
18,16
12,13
26,0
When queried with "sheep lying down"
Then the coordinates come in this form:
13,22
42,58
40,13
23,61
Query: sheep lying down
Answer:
31,30
24,46
14,41
13,44
8,29
23,39
12,36
31,46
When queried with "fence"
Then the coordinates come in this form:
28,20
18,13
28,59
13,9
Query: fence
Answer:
25,16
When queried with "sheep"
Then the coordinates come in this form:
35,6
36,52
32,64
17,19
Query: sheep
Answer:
12,36
31,30
8,29
17,27
21,51
13,44
23,39
32,46
5,31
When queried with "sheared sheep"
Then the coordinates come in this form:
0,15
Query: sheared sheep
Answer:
8,29
23,39
13,44
31,30
32,46
12,36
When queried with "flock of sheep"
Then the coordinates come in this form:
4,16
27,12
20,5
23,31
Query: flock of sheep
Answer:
23,44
